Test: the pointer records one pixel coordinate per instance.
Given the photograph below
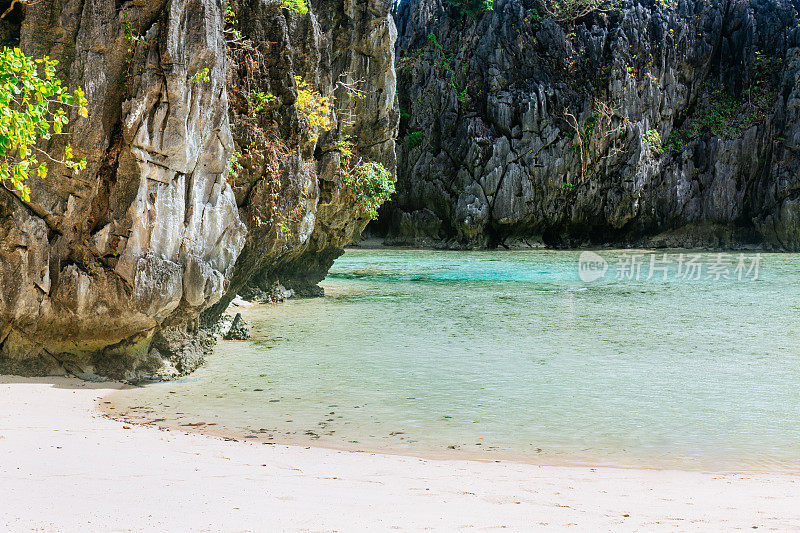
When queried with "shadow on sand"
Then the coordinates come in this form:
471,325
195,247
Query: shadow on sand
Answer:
63,382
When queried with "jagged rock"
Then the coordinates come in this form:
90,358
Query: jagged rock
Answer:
277,293
221,326
96,266
108,272
488,152
299,214
239,330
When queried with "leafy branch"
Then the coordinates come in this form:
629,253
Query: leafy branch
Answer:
33,108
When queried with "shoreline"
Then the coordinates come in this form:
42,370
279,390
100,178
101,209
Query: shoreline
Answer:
379,243
67,467
125,411
107,406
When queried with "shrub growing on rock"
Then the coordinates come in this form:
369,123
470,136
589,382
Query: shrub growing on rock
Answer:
653,139
298,6
33,108
472,7
316,108
414,139
371,183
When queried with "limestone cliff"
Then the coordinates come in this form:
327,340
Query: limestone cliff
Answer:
657,123
289,189
108,272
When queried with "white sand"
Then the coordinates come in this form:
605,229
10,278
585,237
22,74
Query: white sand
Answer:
63,466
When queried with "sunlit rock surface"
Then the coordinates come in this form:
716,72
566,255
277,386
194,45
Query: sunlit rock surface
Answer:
108,272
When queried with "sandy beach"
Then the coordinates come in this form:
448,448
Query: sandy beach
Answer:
66,467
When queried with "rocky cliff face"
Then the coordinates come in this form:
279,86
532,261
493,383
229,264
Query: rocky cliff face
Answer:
109,271
660,123
289,189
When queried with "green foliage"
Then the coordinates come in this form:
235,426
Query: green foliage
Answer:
258,100
533,18
461,93
472,7
591,122
316,108
405,117
761,92
677,141
411,61
653,139
200,75
372,184
405,120
435,42
346,146
442,64
231,23
33,108
298,6
234,166
131,37
722,114
414,139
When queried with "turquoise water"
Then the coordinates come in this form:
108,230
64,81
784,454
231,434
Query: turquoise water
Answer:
509,355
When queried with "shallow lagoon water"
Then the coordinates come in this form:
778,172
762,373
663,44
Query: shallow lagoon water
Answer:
508,355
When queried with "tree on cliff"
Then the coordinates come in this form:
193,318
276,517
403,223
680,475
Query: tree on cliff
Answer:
572,10
473,7
33,108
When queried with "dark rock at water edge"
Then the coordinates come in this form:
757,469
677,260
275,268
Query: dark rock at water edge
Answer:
277,293
239,330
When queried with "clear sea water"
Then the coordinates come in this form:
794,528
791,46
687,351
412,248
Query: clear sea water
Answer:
509,355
